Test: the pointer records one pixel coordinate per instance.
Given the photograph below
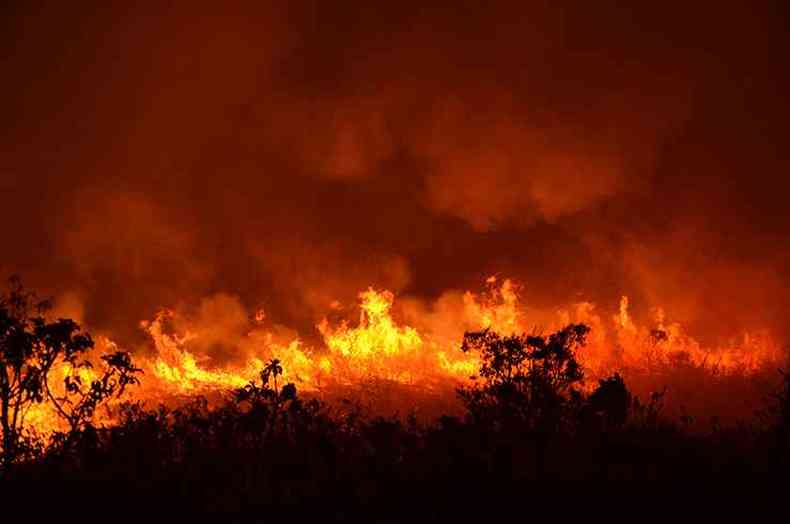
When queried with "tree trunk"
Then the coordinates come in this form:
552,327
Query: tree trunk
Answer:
8,440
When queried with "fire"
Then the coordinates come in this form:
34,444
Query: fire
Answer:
43,418
498,309
665,343
175,365
376,337
379,346
179,371
623,319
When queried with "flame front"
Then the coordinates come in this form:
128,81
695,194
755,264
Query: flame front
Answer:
379,347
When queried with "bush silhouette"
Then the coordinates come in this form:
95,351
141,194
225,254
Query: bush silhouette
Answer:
30,348
264,409
267,445
612,400
527,380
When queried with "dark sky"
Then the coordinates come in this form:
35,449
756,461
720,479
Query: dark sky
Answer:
153,153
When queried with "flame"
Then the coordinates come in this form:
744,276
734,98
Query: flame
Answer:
182,372
498,309
43,418
376,337
175,365
379,346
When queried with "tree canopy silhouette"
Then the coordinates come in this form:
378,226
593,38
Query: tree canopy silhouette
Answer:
31,347
528,379
612,400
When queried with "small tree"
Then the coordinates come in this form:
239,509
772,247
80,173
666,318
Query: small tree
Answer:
776,414
527,379
30,348
79,400
254,393
611,400
269,406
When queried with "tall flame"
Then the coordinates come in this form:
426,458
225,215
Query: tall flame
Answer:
378,346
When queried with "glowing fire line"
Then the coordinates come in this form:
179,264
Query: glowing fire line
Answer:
380,347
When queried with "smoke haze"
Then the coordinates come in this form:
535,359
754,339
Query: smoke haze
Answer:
229,157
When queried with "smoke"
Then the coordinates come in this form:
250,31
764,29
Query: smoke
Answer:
223,158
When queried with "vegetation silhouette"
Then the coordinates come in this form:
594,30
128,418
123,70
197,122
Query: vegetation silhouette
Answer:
31,347
527,379
611,400
528,416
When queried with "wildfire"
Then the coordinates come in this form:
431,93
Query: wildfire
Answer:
175,365
498,309
178,370
378,346
43,418
376,337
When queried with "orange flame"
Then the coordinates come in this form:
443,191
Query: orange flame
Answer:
379,347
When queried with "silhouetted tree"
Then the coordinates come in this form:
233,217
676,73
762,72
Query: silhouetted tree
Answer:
30,348
648,415
776,414
527,379
783,402
270,409
612,400
79,401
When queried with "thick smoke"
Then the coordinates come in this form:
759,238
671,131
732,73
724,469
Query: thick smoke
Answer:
288,157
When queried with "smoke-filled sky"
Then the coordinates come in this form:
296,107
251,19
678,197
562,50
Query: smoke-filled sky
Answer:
154,153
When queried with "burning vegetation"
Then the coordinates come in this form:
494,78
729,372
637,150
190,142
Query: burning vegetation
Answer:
337,249
377,348
541,396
